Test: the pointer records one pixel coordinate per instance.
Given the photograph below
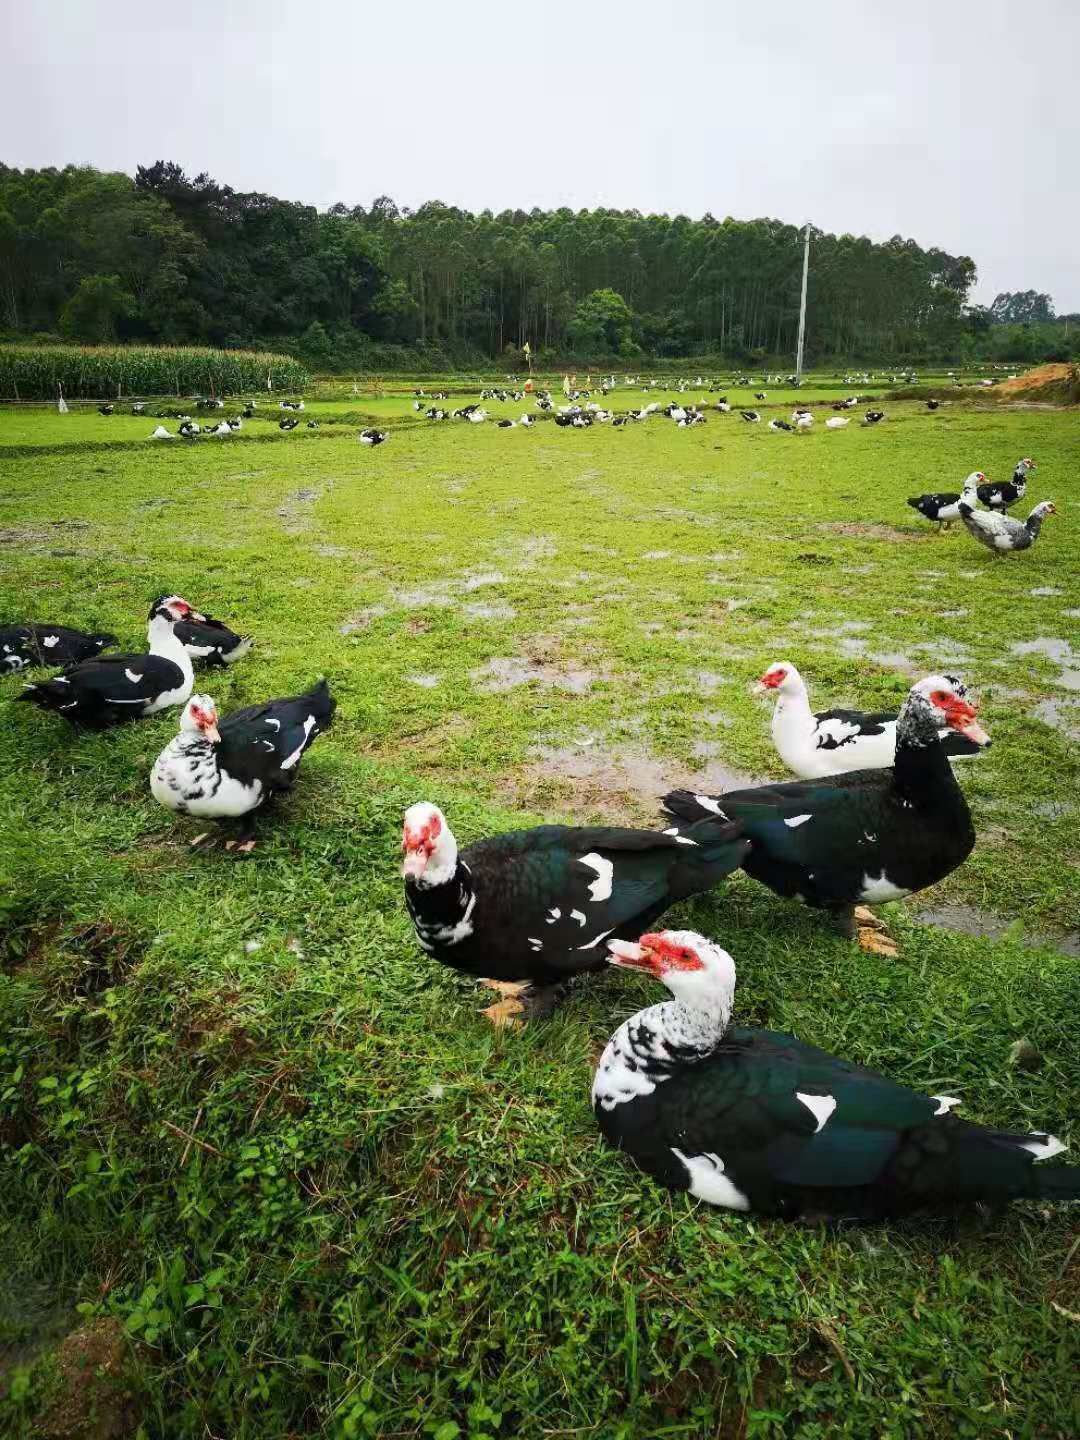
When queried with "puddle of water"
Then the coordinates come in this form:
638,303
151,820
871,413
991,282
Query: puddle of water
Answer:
478,610
361,620
482,578
1046,590
967,920
425,597
657,555
1045,645
426,682
716,717
500,675
1060,714
709,681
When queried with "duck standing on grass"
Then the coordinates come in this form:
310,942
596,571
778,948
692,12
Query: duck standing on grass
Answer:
757,1121
867,836
1000,533
111,689
528,910
227,771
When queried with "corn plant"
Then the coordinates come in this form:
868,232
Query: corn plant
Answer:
35,372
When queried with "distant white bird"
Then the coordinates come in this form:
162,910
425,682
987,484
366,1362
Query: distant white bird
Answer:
162,434
837,422
478,416
803,422
526,420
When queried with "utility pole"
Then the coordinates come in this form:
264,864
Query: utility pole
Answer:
802,306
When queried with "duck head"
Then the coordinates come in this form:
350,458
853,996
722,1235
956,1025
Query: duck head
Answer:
200,717
698,972
428,846
781,677
937,699
174,608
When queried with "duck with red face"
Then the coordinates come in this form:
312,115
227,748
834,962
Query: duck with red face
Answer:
832,742
866,836
752,1120
112,689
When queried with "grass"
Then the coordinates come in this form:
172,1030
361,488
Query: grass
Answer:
246,1121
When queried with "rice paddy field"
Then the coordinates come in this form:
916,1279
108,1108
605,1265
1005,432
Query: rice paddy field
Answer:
268,1173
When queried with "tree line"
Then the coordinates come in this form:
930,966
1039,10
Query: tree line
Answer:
165,258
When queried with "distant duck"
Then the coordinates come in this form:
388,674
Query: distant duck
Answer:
249,410
372,437
288,424
205,638
435,414
24,646
189,429
692,417
750,416
106,409
111,689
723,407
138,407
760,1122
943,506
291,405
780,425
504,424
224,428
835,742
235,424
312,424
228,770
932,404
803,420
837,422
563,421
210,404
160,433
873,417
544,402
675,412
477,416
1000,495
527,420
1000,533
761,395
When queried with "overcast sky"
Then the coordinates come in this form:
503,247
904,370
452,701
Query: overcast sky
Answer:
956,123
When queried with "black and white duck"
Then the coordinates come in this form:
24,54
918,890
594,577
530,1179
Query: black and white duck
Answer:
372,437
111,689
24,646
530,909
753,1120
943,506
288,424
750,416
999,495
863,837
208,639
833,742
1000,533
873,417
228,770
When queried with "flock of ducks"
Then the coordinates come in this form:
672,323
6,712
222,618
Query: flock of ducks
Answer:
745,1119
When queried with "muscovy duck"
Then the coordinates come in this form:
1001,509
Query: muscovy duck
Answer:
111,689
866,836
750,416
504,425
780,425
1006,492
837,422
943,506
205,638
833,742
932,404
758,1121
106,409
287,424
160,433
23,646
1000,533
372,437
873,417
533,907
228,770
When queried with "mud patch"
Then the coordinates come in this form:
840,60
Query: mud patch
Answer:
478,610
96,1400
871,530
361,620
500,675
615,782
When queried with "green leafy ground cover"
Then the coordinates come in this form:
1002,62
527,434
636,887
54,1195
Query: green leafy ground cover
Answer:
245,1120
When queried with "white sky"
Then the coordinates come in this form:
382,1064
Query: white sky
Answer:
955,123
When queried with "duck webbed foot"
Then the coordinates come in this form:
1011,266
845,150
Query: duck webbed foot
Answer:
522,1001
872,934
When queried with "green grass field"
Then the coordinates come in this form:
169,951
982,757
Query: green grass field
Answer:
249,1127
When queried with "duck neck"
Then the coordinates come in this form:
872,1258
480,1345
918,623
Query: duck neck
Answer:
920,767
1033,524
163,641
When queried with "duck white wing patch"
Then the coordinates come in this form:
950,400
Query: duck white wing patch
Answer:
945,1103
708,803
593,943
133,675
795,821
709,1183
271,721
454,934
1043,1146
553,914
291,760
578,915
48,640
831,733
820,1106
600,888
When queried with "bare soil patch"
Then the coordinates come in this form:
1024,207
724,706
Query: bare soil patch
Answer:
870,530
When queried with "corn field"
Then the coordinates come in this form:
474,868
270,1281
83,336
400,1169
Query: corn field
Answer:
95,372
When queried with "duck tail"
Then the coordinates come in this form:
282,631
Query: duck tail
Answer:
690,808
47,694
322,703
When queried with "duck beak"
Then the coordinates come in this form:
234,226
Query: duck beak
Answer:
628,955
212,733
412,867
962,718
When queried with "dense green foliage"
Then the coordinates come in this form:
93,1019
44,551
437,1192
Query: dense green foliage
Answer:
36,372
244,1118
168,258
